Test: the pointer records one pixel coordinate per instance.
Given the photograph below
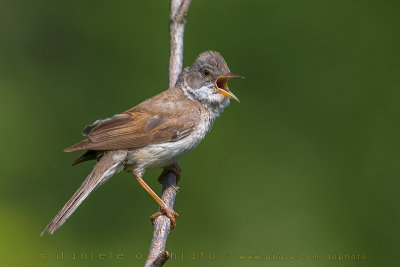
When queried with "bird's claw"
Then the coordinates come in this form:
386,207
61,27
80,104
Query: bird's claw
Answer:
170,213
174,168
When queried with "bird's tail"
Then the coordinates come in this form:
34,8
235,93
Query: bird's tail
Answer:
110,163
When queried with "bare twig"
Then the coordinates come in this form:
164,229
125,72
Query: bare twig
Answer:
177,21
162,225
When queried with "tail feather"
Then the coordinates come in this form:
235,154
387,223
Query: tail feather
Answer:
109,163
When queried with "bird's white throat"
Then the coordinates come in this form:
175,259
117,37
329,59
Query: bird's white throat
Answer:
208,96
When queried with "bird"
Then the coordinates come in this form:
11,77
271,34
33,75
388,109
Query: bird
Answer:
155,133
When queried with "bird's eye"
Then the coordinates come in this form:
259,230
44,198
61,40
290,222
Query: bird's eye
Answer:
206,73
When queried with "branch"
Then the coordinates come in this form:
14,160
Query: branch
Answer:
162,225
177,21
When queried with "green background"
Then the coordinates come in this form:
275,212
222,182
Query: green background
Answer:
307,163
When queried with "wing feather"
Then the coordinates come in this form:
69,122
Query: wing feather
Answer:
140,126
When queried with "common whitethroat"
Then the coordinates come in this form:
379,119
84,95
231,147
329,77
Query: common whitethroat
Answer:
156,133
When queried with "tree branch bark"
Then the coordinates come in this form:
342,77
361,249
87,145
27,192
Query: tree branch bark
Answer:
177,21
162,225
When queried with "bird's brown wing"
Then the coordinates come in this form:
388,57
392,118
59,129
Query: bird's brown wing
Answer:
148,123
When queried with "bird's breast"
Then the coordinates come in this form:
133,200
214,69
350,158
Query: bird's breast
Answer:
164,154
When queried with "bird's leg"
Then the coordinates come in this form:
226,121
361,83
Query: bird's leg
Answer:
174,167
170,213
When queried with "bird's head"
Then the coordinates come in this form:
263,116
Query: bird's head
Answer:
207,79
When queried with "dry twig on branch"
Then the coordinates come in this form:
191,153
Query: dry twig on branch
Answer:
162,225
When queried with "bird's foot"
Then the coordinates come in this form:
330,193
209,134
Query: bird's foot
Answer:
171,168
170,213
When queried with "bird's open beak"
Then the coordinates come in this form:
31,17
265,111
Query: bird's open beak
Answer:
222,85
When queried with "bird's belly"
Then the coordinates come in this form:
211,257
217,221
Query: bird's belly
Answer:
164,154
